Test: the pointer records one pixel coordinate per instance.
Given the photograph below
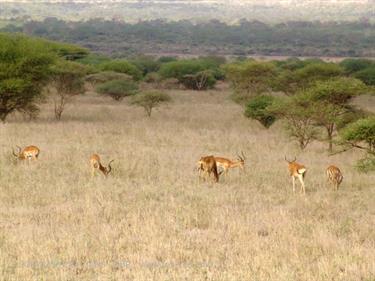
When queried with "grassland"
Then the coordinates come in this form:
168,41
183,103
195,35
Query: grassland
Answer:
153,220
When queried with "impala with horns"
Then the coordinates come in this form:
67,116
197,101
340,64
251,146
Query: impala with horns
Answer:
334,176
97,165
207,164
28,153
297,170
227,164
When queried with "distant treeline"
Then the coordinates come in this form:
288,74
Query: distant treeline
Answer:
353,39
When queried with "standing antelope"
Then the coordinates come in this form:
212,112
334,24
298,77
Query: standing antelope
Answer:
297,170
334,175
97,165
207,164
28,153
227,164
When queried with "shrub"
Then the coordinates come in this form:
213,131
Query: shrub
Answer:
122,66
106,76
367,76
186,71
257,109
366,164
118,89
202,80
146,64
149,100
152,77
355,65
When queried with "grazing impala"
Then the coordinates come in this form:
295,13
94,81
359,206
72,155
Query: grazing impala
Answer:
28,153
334,175
207,164
97,165
297,171
227,164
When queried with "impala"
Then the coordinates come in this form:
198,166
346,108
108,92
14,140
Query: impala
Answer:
227,164
297,170
334,175
207,164
97,165
28,153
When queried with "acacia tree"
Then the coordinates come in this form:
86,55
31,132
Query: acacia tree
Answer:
292,81
24,70
329,101
257,109
150,99
299,118
118,89
361,135
68,81
250,79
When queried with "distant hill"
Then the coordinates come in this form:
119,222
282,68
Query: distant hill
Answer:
269,11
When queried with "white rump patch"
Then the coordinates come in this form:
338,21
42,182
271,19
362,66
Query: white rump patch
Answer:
301,171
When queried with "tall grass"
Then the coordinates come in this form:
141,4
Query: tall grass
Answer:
153,220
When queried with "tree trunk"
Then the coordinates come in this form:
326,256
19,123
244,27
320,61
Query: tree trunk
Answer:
59,107
330,129
148,111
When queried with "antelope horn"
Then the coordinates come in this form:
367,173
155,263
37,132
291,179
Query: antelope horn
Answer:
109,166
240,158
14,152
295,158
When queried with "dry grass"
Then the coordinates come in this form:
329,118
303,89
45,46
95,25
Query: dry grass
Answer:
153,220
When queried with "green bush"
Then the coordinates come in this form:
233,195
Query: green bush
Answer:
106,76
118,89
152,77
355,65
122,66
146,64
366,164
186,71
94,59
166,59
257,109
202,80
367,76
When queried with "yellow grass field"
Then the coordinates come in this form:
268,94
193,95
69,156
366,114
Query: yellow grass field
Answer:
153,220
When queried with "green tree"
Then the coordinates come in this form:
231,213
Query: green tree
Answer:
118,89
329,102
250,78
68,81
257,109
299,117
361,135
24,71
290,82
150,99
